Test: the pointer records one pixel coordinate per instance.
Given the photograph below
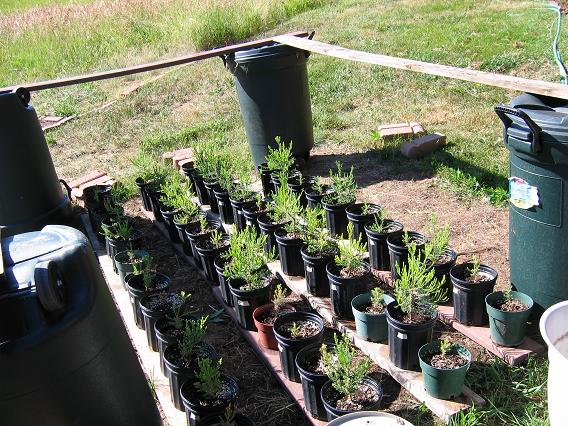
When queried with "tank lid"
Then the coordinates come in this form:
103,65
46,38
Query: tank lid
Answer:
272,50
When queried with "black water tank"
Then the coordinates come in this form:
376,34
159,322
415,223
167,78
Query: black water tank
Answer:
65,356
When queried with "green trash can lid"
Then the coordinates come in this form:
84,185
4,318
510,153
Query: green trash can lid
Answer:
264,52
550,114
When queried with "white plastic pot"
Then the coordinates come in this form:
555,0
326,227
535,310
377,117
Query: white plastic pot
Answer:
554,330
370,418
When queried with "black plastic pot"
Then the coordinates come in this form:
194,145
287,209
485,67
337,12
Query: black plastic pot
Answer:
217,420
398,252
316,273
442,270
314,198
208,255
177,374
219,264
356,216
195,410
406,339
200,190
311,382
469,298
290,255
125,265
224,206
180,228
142,189
238,215
155,194
167,334
329,405
168,214
343,290
246,301
137,291
268,228
193,235
264,173
94,196
116,246
251,213
275,177
211,187
188,169
153,307
97,217
298,188
377,244
288,346
336,219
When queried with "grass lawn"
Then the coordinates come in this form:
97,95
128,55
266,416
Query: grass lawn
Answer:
349,100
9,6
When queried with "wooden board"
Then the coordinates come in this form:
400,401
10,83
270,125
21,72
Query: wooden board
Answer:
538,87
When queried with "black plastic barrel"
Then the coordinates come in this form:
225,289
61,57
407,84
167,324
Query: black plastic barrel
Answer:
30,193
66,358
273,91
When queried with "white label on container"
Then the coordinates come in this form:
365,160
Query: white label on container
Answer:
334,287
192,416
455,290
523,195
309,269
249,222
220,203
132,300
401,336
280,348
371,242
243,303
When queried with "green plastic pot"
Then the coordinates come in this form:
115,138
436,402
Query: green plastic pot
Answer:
369,326
124,264
443,383
507,328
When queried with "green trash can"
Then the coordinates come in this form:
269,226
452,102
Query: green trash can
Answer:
273,91
31,195
536,134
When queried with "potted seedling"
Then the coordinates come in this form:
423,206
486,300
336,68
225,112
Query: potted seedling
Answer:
172,190
398,244
126,261
508,312
265,315
229,418
315,193
121,236
319,250
369,310
143,280
208,249
169,328
181,357
443,257
335,204
225,180
209,392
155,305
444,365
276,217
289,237
294,331
412,315
348,276
313,377
377,233
150,173
250,281
198,230
210,164
349,389
241,195
201,153
298,184
360,214
472,282
188,213
280,162
252,211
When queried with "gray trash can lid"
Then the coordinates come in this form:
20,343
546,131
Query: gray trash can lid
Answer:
264,52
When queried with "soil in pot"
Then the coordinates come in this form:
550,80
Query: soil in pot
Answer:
289,247
398,250
137,290
379,257
268,228
208,250
264,317
197,407
344,287
360,214
224,205
125,262
336,218
370,319
315,271
367,398
508,315
314,195
293,332
179,370
246,299
407,335
313,377
167,332
469,292
444,374
154,306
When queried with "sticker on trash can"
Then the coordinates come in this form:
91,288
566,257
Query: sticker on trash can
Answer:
521,194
